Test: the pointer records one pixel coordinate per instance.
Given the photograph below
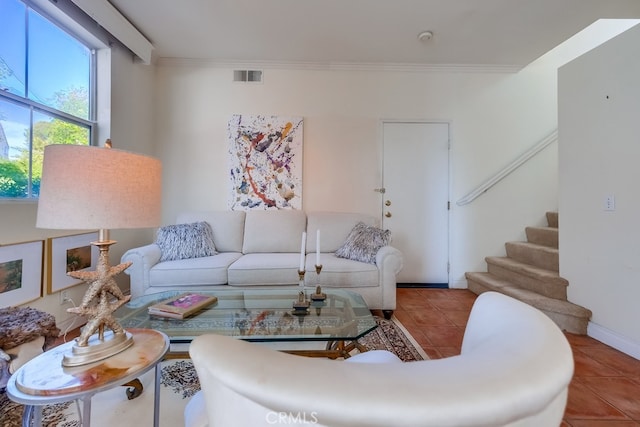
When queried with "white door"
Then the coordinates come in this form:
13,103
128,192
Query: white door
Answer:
415,201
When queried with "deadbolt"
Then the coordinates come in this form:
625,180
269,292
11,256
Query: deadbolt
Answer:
387,203
388,214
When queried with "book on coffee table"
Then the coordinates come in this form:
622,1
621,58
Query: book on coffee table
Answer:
182,305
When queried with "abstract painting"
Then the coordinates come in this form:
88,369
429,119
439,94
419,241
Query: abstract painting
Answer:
265,155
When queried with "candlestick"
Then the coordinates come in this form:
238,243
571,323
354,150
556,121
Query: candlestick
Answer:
318,247
302,247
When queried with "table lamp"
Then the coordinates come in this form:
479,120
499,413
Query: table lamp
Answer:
84,188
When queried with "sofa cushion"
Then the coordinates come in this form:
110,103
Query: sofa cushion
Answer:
273,231
182,241
342,273
334,228
265,269
363,243
210,270
227,227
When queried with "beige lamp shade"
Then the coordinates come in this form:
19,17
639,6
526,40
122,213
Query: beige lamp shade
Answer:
86,187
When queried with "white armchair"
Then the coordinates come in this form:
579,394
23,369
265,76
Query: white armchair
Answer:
514,370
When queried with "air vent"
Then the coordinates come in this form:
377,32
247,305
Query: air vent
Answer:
253,76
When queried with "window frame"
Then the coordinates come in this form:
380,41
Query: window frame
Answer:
33,106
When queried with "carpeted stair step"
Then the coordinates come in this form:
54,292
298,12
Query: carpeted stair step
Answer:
527,276
537,255
569,317
545,236
552,219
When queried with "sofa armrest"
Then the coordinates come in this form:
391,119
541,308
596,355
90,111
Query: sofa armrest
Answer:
142,259
389,262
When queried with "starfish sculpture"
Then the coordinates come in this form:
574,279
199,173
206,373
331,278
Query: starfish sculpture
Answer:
104,289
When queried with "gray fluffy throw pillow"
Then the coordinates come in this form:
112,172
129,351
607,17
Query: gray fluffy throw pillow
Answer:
363,243
182,241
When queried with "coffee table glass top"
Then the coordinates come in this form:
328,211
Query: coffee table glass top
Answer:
258,315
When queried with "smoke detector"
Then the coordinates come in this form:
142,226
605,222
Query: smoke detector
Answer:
425,36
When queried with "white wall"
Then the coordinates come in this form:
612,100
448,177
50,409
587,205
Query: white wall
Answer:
494,118
599,151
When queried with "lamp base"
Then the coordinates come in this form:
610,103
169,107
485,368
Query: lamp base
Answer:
98,349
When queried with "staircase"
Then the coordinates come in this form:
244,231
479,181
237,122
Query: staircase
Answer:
529,273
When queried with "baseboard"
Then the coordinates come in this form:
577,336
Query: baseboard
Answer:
423,285
459,284
613,339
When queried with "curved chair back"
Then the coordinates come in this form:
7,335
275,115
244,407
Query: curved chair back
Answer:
514,370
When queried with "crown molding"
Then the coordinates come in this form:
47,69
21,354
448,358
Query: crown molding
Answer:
338,66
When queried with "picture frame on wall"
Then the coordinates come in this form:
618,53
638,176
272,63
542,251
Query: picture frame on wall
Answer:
20,272
69,253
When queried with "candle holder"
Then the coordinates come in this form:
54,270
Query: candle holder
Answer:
318,295
301,305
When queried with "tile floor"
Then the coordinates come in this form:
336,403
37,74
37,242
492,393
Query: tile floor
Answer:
605,391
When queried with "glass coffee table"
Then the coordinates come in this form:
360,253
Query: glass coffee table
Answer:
262,315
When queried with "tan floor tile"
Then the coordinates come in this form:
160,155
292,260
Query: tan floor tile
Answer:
619,392
606,355
586,366
452,304
583,404
458,317
429,318
444,336
433,353
404,317
581,340
449,351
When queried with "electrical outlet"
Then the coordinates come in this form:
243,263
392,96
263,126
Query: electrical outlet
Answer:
64,297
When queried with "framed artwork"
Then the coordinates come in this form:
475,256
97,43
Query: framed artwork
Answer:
265,162
20,273
69,253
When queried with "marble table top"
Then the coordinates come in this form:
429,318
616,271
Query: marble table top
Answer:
43,380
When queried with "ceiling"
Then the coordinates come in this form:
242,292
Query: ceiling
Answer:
492,33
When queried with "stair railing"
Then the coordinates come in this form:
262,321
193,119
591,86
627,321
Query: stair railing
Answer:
515,164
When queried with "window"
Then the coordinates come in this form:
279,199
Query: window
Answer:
46,78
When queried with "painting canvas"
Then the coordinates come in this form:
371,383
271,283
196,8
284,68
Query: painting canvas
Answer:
265,154
69,253
20,273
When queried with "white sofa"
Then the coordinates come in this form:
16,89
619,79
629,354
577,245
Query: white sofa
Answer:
514,370
262,248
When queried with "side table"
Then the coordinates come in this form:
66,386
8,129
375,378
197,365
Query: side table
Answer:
43,380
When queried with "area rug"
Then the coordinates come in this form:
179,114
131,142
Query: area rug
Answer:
179,383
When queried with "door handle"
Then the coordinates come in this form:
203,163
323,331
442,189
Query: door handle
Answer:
388,214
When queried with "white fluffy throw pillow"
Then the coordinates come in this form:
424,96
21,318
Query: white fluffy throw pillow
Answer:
363,243
182,241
